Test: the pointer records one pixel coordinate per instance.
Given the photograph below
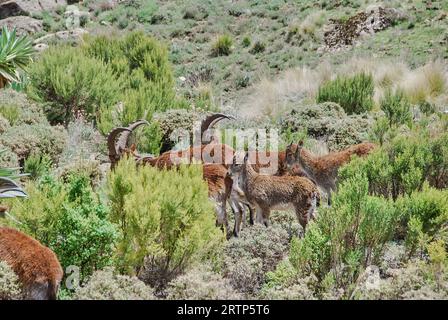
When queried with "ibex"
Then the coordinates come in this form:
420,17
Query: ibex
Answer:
267,193
324,169
215,174
36,266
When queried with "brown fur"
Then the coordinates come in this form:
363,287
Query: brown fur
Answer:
36,266
324,169
277,192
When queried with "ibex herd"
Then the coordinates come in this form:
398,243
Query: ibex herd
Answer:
294,184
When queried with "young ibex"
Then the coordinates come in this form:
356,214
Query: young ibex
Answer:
268,193
324,169
36,266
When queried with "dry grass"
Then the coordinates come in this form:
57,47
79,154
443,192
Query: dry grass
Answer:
428,83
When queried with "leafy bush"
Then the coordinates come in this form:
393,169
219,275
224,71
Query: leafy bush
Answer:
69,82
256,251
222,46
108,285
25,140
328,121
92,79
354,94
84,143
87,167
346,237
401,166
37,165
70,219
8,158
284,283
17,109
4,124
396,108
165,217
258,47
201,283
415,281
424,213
171,121
10,288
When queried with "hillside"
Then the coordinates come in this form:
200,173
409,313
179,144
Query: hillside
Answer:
356,90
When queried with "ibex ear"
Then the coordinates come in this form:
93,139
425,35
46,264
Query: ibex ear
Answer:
246,157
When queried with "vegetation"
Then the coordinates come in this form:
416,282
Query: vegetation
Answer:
165,220
354,94
138,232
15,54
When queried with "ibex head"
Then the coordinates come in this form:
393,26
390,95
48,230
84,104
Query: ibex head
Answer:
118,148
293,153
234,172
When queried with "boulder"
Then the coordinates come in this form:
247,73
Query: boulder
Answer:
24,25
341,34
9,8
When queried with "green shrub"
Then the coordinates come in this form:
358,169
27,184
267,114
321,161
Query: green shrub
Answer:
8,159
256,251
25,140
401,166
285,284
201,283
348,236
87,167
246,42
142,64
18,109
10,288
415,281
222,46
108,285
327,121
258,47
396,107
438,170
165,217
172,120
424,214
84,144
69,82
37,165
4,124
70,219
354,94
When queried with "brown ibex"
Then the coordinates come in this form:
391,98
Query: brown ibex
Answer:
206,154
324,169
275,192
36,266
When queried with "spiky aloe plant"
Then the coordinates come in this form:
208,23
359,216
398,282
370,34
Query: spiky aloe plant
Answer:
9,188
15,53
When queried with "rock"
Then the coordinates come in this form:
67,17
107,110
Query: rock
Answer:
9,8
40,47
75,34
342,34
24,25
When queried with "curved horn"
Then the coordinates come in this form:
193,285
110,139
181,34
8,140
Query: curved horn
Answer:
123,140
211,120
113,153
